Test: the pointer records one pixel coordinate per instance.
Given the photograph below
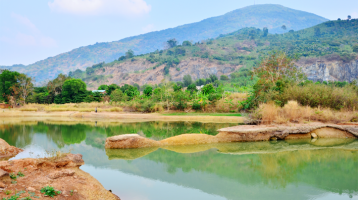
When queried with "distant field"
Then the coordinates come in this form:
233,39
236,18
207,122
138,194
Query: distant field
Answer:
205,114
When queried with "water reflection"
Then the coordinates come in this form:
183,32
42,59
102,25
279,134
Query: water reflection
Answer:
300,169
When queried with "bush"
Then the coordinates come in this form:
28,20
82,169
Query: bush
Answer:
117,95
208,89
50,191
224,78
196,106
148,91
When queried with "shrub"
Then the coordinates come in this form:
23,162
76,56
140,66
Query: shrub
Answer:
49,191
208,89
148,91
224,78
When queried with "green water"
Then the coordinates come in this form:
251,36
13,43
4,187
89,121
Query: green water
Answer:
305,169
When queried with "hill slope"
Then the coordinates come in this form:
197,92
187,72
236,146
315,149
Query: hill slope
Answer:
335,43
258,16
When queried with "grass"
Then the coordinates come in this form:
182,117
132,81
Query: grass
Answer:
204,114
293,112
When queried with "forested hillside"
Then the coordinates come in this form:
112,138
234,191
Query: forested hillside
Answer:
332,41
259,16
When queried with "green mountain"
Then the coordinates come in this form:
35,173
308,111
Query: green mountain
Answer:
258,16
334,43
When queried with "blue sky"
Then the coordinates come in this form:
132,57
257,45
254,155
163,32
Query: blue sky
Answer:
34,30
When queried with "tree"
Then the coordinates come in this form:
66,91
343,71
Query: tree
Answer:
129,54
103,87
172,43
55,86
23,87
148,91
192,88
111,88
7,80
265,32
177,87
224,78
317,32
74,91
355,48
208,89
339,19
187,43
349,17
187,80
117,95
213,78
284,27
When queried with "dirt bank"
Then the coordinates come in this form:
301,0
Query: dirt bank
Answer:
26,177
118,116
245,133
62,173
7,151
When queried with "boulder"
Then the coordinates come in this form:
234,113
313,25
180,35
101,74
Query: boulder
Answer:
7,150
129,141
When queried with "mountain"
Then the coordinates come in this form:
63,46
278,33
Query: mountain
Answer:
327,51
258,16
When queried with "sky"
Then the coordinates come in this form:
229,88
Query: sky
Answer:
35,30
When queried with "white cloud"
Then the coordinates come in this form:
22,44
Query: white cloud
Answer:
25,21
25,40
31,36
148,28
95,7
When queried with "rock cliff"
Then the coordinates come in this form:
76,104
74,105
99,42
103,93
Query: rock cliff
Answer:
331,70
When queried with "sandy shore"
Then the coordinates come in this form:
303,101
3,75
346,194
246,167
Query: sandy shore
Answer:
9,115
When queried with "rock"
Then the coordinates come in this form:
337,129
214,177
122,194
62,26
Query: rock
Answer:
8,151
3,173
31,189
129,141
314,135
2,185
60,174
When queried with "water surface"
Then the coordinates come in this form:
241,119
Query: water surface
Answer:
304,169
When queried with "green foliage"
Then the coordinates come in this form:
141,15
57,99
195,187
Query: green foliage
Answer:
20,174
187,80
172,43
111,88
13,176
50,191
117,96
103,87
355,48
7,80
74,90
208,89
192,88
187,43
130,90
129,54
177,87
224,78
181,99
148,91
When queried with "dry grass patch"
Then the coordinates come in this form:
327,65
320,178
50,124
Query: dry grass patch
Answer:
293,112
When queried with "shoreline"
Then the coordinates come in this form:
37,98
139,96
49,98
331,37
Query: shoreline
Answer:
111,116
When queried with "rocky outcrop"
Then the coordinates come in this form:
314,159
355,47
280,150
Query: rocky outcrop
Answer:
331,70
247,133
7,151
142,72
60,172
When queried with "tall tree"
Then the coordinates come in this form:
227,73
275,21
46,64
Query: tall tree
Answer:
74,91
265,32
187,80
172,43
7,81
130,54
284,27
23,88
55,86
349,17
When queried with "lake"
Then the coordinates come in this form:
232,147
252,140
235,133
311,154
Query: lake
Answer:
300,169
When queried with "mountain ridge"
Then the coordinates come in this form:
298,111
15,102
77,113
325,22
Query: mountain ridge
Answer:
264,15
